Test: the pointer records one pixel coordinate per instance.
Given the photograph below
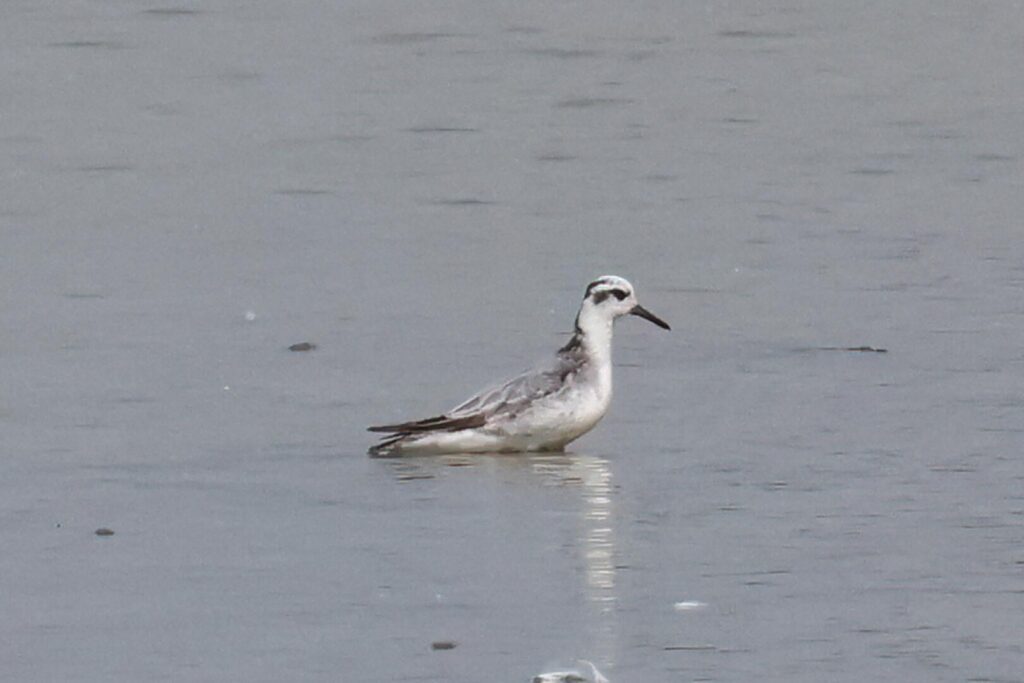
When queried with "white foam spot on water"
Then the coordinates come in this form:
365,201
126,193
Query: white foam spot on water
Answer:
586,673
250,315
689,605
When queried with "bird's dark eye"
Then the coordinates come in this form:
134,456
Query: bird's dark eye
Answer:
600,297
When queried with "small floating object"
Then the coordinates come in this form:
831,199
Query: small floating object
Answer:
302,346
104,531
587,673
415,476
443,645
689,605
862,349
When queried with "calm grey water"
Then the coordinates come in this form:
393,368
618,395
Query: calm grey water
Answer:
423,190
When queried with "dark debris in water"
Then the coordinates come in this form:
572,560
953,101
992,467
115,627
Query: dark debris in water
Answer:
414,476
88,44
748,33
854,349
463,201
413,37
104,531
443,645
172,12
301,192
302,346
442,129
589,102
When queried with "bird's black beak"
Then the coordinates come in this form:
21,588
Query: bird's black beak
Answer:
647,315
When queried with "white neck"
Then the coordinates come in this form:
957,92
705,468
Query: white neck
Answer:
596,335
597,340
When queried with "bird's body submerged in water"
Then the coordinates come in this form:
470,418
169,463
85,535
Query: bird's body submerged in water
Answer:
540,410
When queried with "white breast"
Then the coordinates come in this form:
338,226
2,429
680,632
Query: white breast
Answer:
552,423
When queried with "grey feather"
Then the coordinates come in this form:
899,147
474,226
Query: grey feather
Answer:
507,398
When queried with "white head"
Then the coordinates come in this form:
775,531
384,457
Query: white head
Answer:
607,298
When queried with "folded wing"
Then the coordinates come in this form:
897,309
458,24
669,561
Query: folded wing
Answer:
433,424
508,398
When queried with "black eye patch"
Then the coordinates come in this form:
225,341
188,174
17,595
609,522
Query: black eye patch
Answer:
599,297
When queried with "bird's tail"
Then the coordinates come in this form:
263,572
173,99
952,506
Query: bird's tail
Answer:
387,448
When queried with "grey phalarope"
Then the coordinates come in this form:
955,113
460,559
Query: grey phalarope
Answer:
542,409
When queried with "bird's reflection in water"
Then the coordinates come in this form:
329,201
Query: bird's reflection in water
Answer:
597,534
595,479
592,477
